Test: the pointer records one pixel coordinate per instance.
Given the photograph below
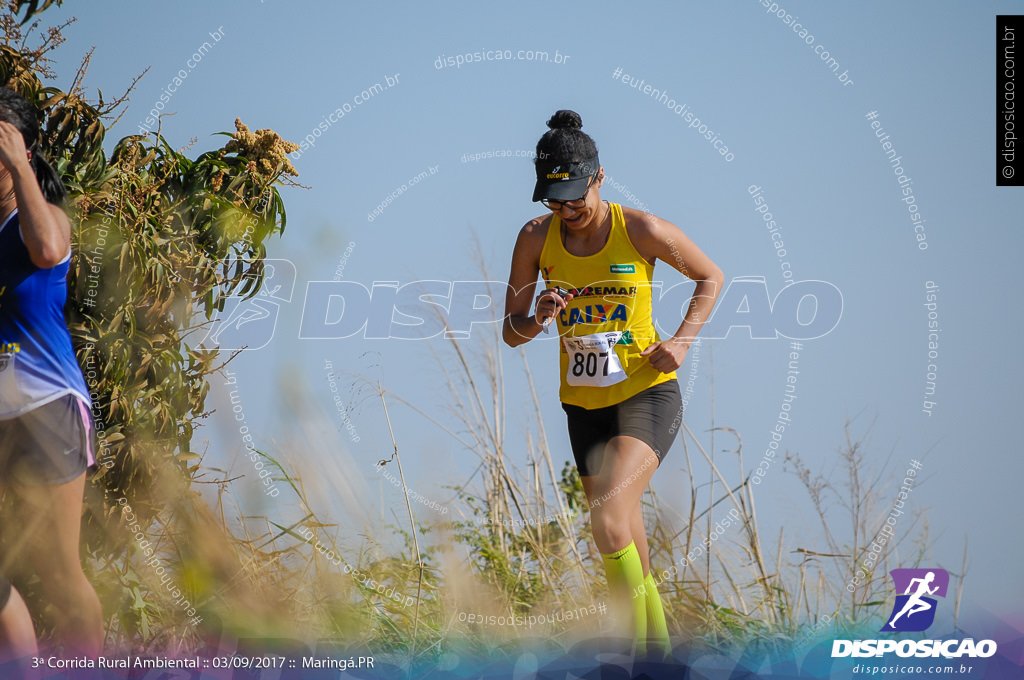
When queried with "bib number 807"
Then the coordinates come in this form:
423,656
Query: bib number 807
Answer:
592,360
587,363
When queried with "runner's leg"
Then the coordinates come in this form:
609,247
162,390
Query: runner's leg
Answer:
626,471
17,634
657,628
50,524
636,527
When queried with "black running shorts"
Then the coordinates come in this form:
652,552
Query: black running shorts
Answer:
653,416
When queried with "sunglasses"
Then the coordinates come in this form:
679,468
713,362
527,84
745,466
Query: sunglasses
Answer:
555,206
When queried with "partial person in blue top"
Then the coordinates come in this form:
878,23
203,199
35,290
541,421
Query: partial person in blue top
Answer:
47,437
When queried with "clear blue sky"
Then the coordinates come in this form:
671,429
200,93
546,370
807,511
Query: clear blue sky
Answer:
927,69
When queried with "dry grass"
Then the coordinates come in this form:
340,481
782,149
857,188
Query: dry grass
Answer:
518,543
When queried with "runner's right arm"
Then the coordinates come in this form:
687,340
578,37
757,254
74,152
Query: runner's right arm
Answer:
520,324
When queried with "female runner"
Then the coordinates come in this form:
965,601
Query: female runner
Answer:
46,432
618,385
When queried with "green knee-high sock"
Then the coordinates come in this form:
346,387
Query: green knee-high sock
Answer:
625,584
657,629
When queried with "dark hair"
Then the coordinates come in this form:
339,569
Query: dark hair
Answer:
22,115
565,142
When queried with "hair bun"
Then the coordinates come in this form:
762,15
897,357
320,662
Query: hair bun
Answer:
565,119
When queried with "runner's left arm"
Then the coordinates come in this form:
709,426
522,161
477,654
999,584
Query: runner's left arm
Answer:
660,239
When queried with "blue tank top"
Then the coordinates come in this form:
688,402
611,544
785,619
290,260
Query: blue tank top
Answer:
37,362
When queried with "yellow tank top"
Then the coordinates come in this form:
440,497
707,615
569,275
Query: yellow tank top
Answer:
609,314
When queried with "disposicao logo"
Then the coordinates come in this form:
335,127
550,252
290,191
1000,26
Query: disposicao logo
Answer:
914,612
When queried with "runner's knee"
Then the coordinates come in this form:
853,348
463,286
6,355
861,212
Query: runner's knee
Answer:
612,531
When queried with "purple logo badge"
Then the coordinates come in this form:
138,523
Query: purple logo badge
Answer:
914,611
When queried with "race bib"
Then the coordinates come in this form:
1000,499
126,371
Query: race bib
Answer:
592,360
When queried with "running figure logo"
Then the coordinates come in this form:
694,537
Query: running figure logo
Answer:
250,323
914,611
